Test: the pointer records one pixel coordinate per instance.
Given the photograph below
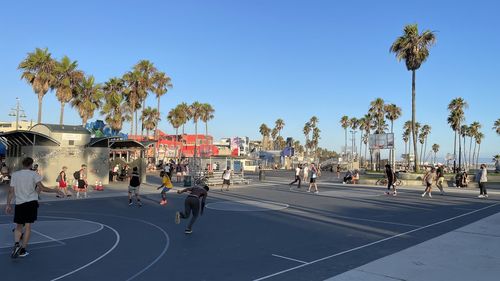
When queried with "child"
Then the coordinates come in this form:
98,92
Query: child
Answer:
62,181
134,185
166,185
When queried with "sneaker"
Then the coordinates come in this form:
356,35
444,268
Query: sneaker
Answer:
23,253
163,202
395,193
387,193
139,203
486,196
308,191
316,192
177,217
343,182
480,196
15,251
423,194
188,231
130,203
430,195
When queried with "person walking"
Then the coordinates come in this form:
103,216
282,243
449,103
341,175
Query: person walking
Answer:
306,172
134,186
429,178
391,178
482,179
25,186
62,182
440,178
197,196
338,171
297,176
81,177
226,179
312,181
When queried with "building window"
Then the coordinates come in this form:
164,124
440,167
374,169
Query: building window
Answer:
71,142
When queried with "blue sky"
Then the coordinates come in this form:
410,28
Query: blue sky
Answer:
256,61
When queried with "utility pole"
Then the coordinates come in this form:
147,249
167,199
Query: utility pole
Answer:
17,111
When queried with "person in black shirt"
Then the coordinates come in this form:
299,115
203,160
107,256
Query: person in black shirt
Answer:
391,178
197,195
134,186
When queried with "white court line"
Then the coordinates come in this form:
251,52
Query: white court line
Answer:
48,237
287,258
374,243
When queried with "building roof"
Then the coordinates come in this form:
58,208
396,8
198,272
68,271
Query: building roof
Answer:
64,128
26,138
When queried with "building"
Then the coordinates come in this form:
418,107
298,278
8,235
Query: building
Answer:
11,126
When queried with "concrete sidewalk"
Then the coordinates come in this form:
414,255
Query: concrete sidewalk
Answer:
468,253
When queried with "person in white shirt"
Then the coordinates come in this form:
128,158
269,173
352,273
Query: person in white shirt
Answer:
25,186
297,177
226,179
306,172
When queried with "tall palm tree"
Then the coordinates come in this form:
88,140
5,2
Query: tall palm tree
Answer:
413,48
392,113
464,131
88,98
354,124
473,130
313,121
376,110
133,93
264,131
207,114
175,118
196,113
425,131
161,82
479,139
307,130
38,70
146,70
455,119
185,114
362,123
115,109
279,125
150,118
496,126
315,139
435,148
67,78
406,138
274,136
344,123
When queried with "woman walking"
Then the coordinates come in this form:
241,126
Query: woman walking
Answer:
429,178
482,178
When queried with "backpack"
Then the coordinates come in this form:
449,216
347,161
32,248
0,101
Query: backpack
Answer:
58,178
76,175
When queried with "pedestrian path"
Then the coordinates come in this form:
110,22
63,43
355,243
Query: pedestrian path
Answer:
468,253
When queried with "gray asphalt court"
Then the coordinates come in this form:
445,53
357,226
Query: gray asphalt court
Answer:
262,231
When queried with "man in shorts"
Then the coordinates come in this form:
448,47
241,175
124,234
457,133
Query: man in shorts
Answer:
226,179
82,182
25,186
134,186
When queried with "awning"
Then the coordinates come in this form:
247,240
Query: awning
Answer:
103,142
27,138
125,144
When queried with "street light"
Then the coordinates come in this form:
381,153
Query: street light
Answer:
17,112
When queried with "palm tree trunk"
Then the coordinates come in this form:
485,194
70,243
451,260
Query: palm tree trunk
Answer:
84,121
474,156
195,137
345,147
421,153
413,117
391,151
132,125
465,154
459,153
61,116
425,150
470,148
136,118
156,126
40,98
477,159
455,152
176,138
360,145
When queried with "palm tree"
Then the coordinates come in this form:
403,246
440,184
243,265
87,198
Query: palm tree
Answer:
115,108
413,48
473,130
274,136
150,118
314,121
146,70
196,113
38,70
161,82
354,124
67,79
344,123
392,113
315,139
133,93
455,119
88,98
207,114
368,126
496,126
406,138
464,131
377,112
264,131
479,139
279,124
307,130
362,123
175,118
435,148
185,114
425,131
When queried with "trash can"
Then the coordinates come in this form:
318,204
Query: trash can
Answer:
187,181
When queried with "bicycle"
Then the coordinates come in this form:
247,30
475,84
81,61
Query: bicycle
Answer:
384,182
200,180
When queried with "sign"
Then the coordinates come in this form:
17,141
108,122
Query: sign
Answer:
381,141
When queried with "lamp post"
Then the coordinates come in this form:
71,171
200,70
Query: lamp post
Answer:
17,111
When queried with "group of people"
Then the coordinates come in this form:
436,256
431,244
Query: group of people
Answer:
79,178
178,168
306,173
